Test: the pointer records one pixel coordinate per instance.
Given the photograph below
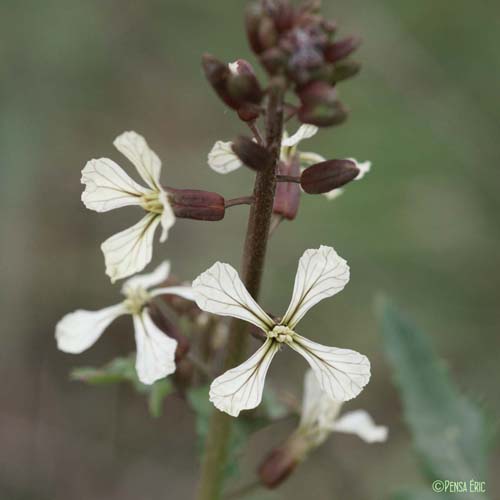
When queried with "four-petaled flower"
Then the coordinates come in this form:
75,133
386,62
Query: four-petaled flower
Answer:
107,186
321,273
79,330
320,417
223,160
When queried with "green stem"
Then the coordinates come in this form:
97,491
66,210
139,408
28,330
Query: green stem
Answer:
217,443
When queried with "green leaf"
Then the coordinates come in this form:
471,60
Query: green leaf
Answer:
118,370
448,430
121,370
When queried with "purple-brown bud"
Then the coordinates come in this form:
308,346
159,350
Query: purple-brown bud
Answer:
242,83
276,467
283,15
287,197
340,50
235,83
323,115
253,16
196,204
317,92
274,60
249,112
328,175
251,154
268,34
217,73
281,462
344,70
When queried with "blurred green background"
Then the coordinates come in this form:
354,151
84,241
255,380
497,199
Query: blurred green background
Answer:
422,226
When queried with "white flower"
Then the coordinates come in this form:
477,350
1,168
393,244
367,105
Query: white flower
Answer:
320,417
107,187
321,273
80,329
223,160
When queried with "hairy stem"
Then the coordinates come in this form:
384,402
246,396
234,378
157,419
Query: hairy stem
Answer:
219,433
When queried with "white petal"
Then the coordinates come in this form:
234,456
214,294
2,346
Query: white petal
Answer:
241,387
304,132
185,292
222,158
129,251
219,290
107,186
309,158
334,193
79,330
364,167
167,217
321,273
317,407
145,160
155,351
361,424
341,373
145,281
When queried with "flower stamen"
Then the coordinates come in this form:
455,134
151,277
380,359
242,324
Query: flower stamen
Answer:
282,334
151,202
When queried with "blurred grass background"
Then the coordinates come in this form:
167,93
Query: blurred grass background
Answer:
422,226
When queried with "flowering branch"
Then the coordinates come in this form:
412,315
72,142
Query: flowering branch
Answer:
259,222
297,49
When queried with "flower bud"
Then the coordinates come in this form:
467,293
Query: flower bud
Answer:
323,114
253,16
268,34
344,70
328,175
287,197
217,73
242,84
249,112
283,15
339,50
196,204
274,60
253,155
276,467
281,462
317,92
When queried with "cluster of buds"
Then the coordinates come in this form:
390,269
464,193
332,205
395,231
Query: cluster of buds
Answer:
297,44
236,84
300,44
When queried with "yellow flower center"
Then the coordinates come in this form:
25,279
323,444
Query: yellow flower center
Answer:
282,333
151,202
136,299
